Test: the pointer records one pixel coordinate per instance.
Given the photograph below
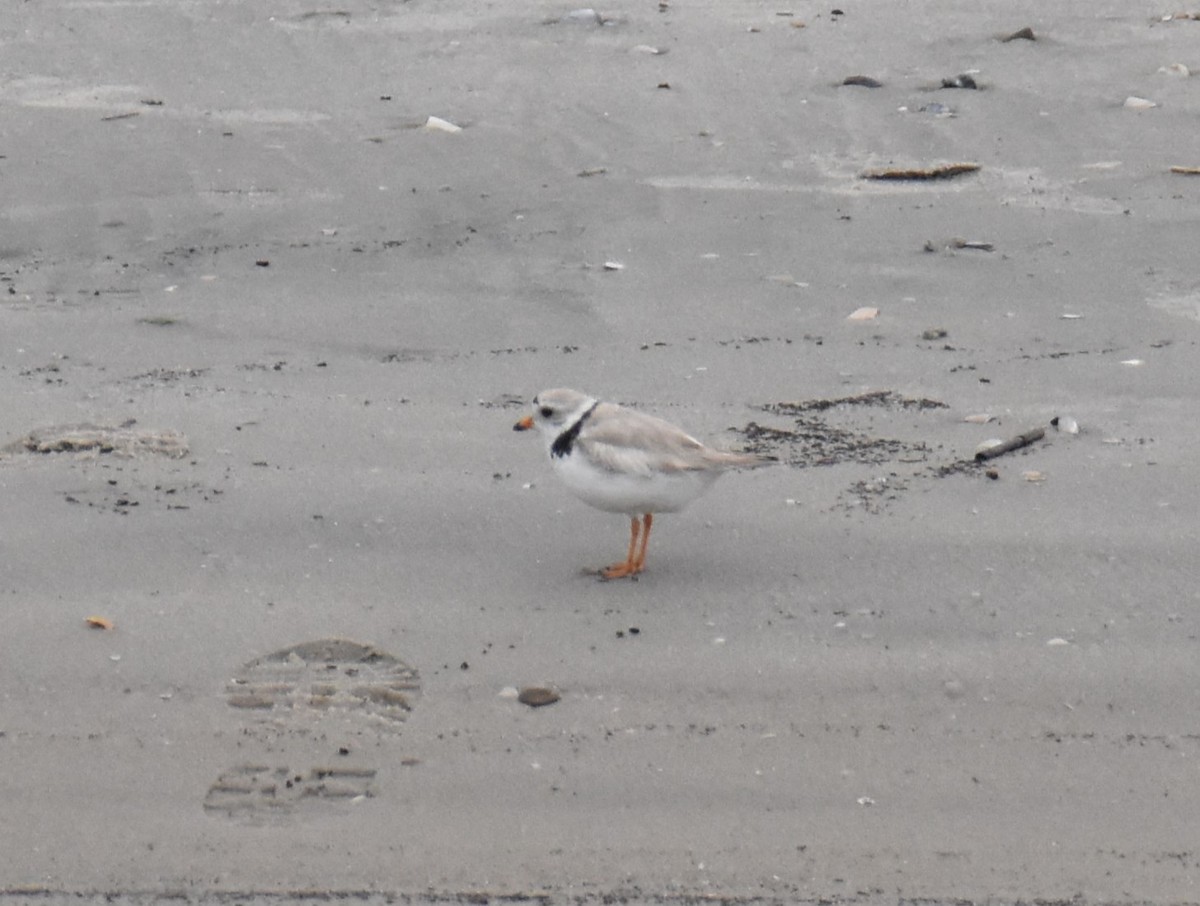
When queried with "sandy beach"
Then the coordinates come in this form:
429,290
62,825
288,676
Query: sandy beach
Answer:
265,328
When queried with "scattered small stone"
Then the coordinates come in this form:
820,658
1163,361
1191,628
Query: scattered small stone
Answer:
961,81
936,109
1033,475
935,333
1021,34
992,474
862,81
537,696
592,171
262,262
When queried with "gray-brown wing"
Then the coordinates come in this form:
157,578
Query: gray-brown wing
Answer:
625,440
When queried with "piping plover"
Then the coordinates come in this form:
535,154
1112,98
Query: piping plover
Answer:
624,461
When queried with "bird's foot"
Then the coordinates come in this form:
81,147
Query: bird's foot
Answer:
621,570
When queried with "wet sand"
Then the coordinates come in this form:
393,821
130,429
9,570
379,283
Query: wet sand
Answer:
869,673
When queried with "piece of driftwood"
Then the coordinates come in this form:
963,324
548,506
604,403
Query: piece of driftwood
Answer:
1016,443
941,171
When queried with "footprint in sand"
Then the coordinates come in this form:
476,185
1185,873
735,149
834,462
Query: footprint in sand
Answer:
304,708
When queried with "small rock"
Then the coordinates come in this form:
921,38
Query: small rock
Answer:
961,81
1021,34
538,696
862,81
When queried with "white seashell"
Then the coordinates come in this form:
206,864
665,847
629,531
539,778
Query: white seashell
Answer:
1135,103
1067,424
1033,475
1057,642
1175,69
989,444
866,313
437,124
613,266
585,16
1133,362
980,418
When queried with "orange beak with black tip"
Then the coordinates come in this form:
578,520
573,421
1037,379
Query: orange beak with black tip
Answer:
524,424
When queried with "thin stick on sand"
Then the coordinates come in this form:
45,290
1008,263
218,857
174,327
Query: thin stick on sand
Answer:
1016,443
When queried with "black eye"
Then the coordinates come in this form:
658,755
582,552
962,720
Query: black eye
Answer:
546,411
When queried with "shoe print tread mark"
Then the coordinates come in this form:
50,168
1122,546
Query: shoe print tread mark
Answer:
295,686
259,792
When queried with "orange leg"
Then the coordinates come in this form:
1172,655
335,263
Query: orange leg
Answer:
636,558
648,520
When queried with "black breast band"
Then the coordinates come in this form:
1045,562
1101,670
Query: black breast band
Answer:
564,442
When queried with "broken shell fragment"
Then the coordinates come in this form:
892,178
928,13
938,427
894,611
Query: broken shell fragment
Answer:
584,16
1065,424
99,623
1136,103
987,446
866,313
437,124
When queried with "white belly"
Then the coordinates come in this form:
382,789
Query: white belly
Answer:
632,494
